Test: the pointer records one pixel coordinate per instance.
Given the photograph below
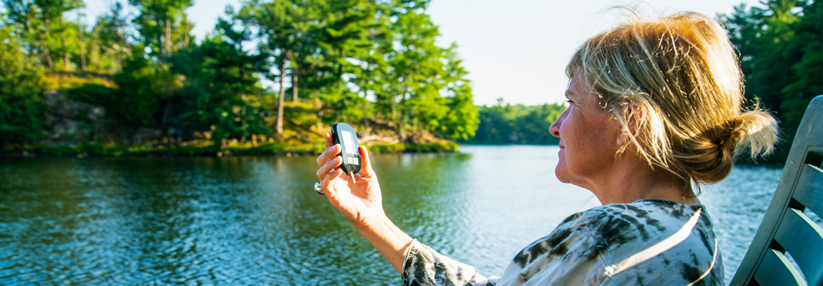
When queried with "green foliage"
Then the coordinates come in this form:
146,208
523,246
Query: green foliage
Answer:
417,85
108,41
95,94
163,26
364,59
781,54
361,61
460,120
143,94
517,124
42,26
21,92
222,92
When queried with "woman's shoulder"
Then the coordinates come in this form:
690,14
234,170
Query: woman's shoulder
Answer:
592,241
644,219
618,223
621,229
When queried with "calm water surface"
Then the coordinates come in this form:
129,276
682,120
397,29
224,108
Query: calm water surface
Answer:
256,220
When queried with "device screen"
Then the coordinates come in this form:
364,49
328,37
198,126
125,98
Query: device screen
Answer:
348,143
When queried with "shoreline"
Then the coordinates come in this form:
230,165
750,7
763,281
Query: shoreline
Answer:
206,149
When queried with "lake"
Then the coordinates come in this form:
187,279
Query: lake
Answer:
256,220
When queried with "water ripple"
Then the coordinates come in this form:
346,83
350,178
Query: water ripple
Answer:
103,221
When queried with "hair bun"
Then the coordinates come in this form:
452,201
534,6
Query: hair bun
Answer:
714,153
757,132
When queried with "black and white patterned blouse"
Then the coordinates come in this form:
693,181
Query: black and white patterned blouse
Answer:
647,242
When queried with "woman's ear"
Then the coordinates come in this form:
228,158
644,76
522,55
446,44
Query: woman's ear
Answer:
631,118
634,115
621,138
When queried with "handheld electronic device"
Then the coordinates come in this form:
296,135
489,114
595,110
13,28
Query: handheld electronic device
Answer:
343,134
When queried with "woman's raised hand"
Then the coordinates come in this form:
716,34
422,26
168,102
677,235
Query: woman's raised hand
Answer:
357,198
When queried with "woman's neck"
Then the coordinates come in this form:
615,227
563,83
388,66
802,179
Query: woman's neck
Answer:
632,179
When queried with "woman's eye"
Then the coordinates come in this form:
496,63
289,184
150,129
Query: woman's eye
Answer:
569,101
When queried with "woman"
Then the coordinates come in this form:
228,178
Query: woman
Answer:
654,109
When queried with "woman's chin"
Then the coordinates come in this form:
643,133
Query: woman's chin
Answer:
560,174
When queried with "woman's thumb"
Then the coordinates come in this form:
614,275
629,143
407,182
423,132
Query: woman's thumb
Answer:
366,169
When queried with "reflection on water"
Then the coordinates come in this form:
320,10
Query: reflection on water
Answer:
256,220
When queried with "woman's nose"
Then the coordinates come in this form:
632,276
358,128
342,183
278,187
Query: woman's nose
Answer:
555,128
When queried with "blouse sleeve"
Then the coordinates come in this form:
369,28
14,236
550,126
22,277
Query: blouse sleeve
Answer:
424,266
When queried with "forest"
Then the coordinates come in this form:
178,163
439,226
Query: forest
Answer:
145,81
273,75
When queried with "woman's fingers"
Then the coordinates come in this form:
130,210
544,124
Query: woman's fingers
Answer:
326,185
328,154
328,167
329,140
366,170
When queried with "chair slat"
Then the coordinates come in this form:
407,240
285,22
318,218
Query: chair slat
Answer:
803,239
808,190
776,270
800,184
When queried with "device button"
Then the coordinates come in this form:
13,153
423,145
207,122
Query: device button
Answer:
355,161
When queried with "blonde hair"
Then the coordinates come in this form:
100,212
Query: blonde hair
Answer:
675,87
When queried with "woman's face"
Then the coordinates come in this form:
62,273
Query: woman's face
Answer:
588,138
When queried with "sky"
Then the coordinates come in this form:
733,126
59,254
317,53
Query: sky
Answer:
516,49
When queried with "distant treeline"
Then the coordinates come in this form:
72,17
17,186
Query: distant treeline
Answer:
516,124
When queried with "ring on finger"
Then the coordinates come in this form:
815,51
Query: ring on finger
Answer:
318,189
